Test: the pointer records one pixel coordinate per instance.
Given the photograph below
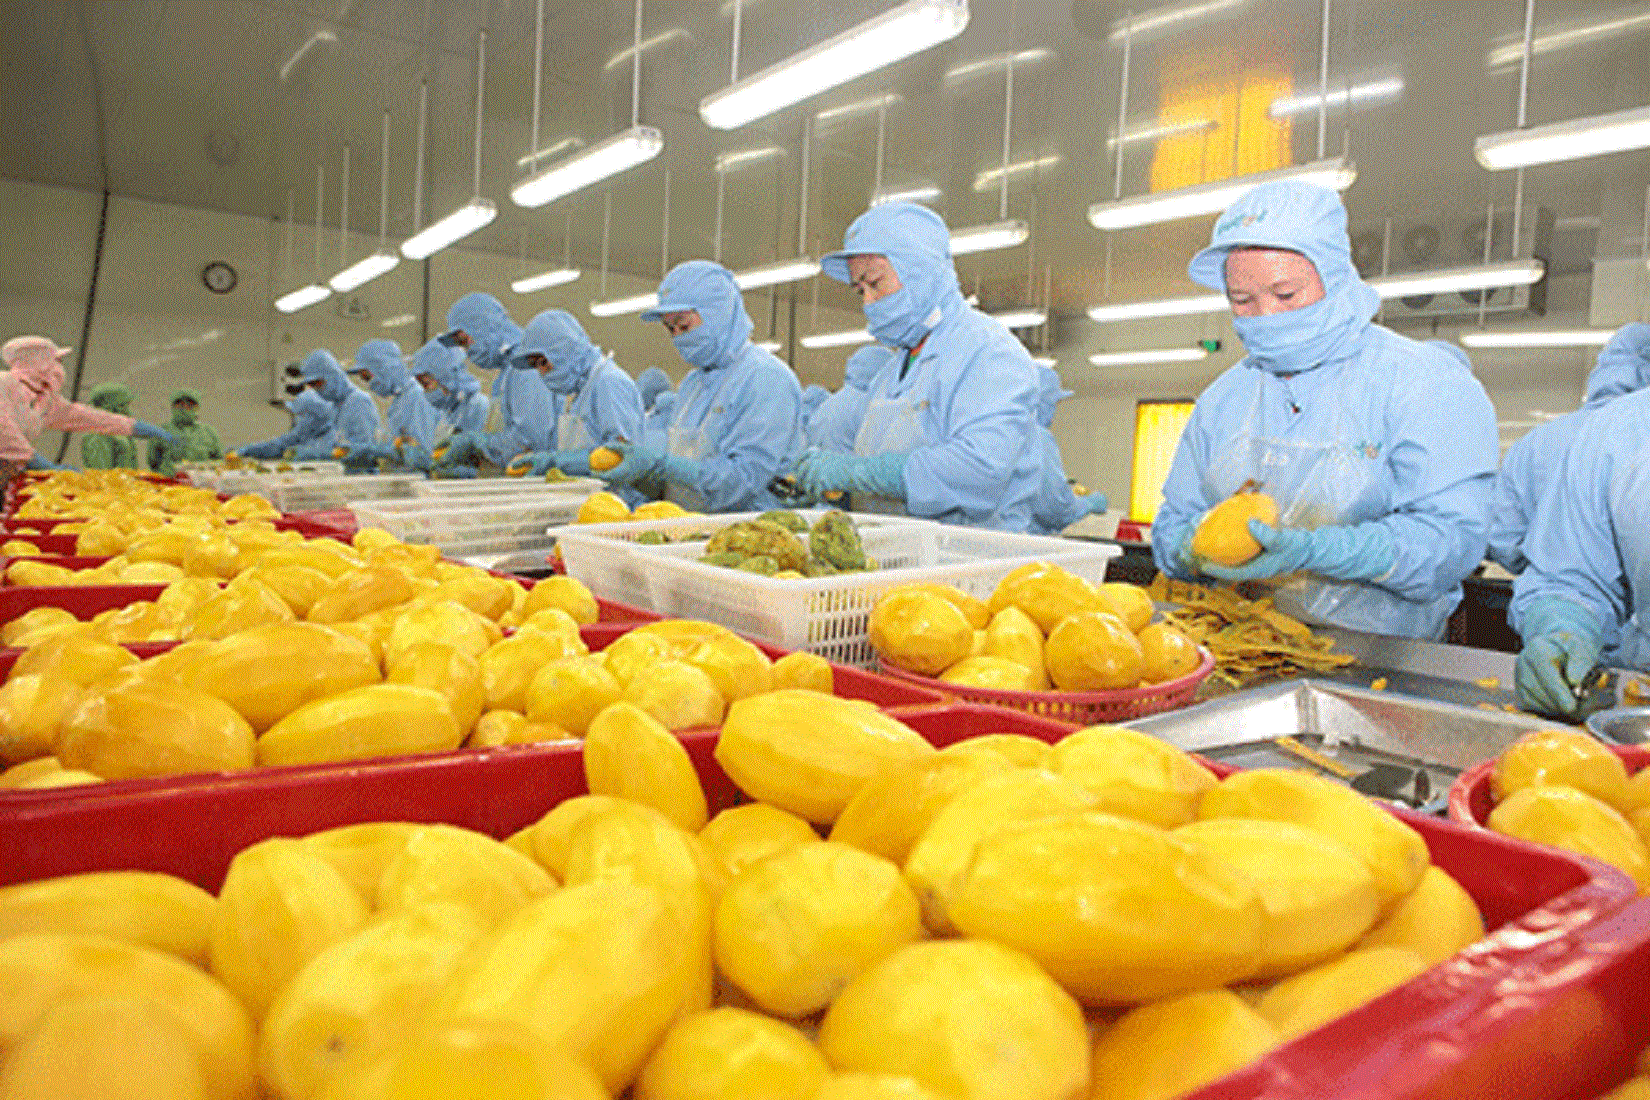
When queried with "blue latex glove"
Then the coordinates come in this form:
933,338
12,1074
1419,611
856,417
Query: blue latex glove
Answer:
312,452
1561,646
414,456
1096,502
1362,553
571,463
821,472
367,456
465,448
638,463
453,473
144,430
40,462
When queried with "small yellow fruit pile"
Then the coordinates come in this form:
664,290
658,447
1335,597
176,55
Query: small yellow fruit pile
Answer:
946,941
104,493
1561,787
606,508
1043,626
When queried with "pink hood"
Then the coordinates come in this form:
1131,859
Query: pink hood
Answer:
31,399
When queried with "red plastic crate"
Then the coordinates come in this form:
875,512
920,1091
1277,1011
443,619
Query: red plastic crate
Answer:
47,543
1470,800
337,524
83,602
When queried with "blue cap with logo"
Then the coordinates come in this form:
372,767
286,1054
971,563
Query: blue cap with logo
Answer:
1301,217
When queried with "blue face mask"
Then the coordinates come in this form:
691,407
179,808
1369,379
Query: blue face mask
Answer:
1296,340
486,356
891,322
563,378
698,347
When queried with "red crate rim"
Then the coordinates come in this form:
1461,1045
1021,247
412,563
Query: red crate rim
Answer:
1469,795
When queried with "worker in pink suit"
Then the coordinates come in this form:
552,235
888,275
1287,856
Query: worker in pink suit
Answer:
31,402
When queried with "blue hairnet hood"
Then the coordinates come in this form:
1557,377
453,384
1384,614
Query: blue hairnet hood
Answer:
557,335
863,366
1049,394
1311,220
444,364
812,398
321,364
709,289
652,382
485,320
1623,365
381,359
310,413
916,242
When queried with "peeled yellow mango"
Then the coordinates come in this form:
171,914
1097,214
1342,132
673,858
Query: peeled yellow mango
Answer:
17,775
453,673
474,1060
41,971
991,673
731,1052
1394,853
629,842
1012,634
893,809
106,1046
1167,1049
552,833
967,1019
281,904
443,863
603,508
508,727
376,720
596,970
809,753
944,851
1047,593
213,556
508,668
137,622
361,592
679,695
1561,757
140,729
803,670
741,835
1167,653
35,619
446,622
474,588
238,608
299,585
269,671
632,652
794,929
1022,750
1093,651
73,661
309,555
1128,602
1309,1000
735,666
628,754
873,1086
570,693
170,544
1319,897
32,711
1436,920
553,621
1577,822
1223,537
1133,774
566,593
916,630
361,852
152,910
182,598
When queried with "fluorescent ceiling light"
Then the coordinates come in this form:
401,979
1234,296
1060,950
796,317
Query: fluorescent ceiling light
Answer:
871,106
303,51
549,151
732,162
1476,277
837,339
364,270
769,345
1375,91
1511,51
1569,140
780,271
615,307
294,300
1566,338
545,280
1149,355
1169,16
1211,198
398,321
991,177
986,66
927,193
468,218
1159,307
880,41
648,45
1157,131
990,237
619,153
1019,318
1043,360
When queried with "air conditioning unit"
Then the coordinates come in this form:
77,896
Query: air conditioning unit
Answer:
1462,245
283,382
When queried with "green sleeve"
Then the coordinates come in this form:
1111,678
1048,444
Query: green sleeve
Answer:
97,452
157,457
216,450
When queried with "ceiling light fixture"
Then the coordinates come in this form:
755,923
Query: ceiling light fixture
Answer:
304,296
1167,17
1475,277
616,307
830,116
1044,361
398,321
1374,91
545,279
364,270
1193,306
882,40
385,259
926,193
1569,140
780,271
317,291
732,162
1211,198
551,150
989,237
476,213
662,39
989,65
838,339
769,345
1149,355
1157,131
992,177
1030,317
1509,53
1560,338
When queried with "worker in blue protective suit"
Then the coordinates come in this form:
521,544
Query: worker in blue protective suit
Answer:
1379,450
454,392
596,402
1584,596
1623,367
358,422
949,431
479,324
812,398
837,421
410,421
656,422
651,383
311,436
1057,506
737,423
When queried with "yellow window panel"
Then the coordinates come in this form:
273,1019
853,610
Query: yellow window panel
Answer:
1157,428
1244,140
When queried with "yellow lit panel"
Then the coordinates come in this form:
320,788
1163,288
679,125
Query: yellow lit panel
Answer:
1157,428
1244,138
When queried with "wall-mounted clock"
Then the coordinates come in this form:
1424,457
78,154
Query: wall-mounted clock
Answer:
219,277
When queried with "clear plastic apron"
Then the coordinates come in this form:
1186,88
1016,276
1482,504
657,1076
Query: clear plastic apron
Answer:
892,425
571,432
694,443
1331,480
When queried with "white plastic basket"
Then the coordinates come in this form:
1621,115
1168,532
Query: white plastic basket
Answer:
603,555
255,479
327,493
472,528
460,490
